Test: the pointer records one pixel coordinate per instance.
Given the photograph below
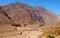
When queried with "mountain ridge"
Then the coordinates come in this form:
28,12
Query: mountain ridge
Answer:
21,13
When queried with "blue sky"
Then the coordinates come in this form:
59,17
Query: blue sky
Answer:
52,5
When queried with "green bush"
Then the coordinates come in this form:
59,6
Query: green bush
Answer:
51,36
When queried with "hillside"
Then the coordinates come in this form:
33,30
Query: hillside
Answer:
21,13
4,17
19,20
48,16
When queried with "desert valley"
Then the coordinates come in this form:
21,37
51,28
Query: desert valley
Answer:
19,20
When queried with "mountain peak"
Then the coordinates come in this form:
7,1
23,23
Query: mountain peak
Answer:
17,2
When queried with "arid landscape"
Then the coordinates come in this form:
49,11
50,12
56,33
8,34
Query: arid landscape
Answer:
19,20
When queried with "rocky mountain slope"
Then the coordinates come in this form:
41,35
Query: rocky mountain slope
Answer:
4,17
21,13
48,16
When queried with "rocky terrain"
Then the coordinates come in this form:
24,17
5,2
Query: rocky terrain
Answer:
20,13
26,32
19,20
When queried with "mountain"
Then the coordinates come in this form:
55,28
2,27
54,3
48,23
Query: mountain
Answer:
4,17
48,16
20,13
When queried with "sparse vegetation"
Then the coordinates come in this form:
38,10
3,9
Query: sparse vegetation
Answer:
51,36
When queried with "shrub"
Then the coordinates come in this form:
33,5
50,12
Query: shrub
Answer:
51,36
